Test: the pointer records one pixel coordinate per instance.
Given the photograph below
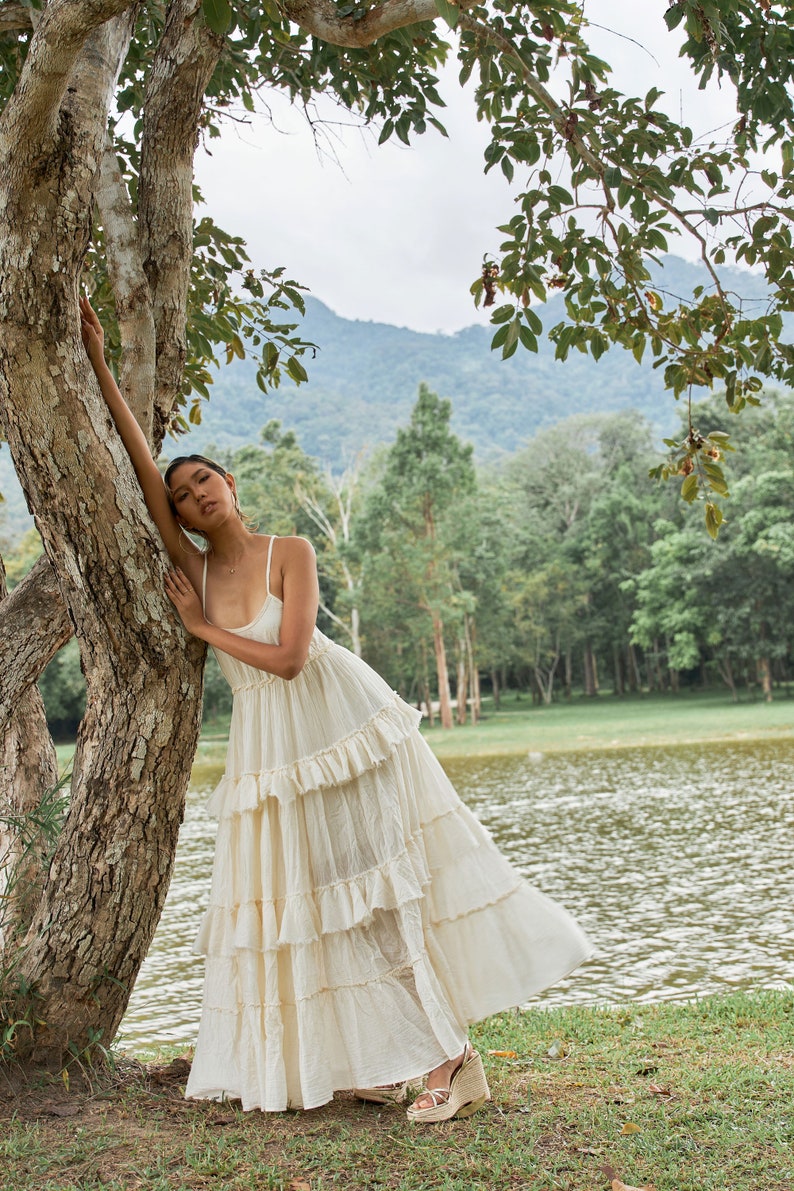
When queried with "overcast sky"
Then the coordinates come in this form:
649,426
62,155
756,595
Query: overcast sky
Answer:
396,234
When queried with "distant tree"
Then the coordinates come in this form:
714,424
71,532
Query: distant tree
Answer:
428,473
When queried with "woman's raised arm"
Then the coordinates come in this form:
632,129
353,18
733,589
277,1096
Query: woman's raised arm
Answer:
132,436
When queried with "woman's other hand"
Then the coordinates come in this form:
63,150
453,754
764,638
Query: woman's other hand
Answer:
182,595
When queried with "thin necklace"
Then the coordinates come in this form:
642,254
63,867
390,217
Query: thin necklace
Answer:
233,569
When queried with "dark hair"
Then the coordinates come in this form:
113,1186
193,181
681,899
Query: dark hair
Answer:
216,467
180,459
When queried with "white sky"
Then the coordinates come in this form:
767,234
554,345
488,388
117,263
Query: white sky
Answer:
396,234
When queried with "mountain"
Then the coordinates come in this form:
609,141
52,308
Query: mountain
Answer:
364,378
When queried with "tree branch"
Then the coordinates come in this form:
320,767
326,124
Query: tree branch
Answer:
536,88
15,17
321,19
186,58
30,119
130,290
34,625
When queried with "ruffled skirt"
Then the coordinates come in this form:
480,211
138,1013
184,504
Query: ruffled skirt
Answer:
360,917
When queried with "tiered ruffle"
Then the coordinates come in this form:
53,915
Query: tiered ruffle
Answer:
360,917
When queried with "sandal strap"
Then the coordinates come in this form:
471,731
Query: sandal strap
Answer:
439,1096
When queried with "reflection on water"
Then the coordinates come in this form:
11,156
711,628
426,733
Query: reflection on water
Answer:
679,862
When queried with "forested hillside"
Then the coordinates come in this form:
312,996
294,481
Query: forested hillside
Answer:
365,376
364,380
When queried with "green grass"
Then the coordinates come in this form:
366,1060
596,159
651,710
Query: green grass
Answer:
579,724
609,722
605,722
708,1088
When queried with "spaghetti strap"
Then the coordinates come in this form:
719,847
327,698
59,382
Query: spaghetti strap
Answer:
269,556
204,588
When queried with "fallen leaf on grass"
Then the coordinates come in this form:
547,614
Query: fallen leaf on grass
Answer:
655,1090
503,1054
647,1067
298,1185
629,1127
556,1050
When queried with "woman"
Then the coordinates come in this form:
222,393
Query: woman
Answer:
360,917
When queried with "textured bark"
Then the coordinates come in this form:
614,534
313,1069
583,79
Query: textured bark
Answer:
185,60
109,875
132,299
14,17
321,17
28,768
34,625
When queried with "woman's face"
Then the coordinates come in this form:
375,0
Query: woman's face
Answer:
203,498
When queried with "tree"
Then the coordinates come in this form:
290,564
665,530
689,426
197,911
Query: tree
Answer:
77,183
728,604
428,472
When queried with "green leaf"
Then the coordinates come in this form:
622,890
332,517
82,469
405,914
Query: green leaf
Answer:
296,370
713,519
270,356
613,176
217,14
689,488
450,12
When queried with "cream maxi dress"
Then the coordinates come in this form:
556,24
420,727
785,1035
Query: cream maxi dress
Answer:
360,917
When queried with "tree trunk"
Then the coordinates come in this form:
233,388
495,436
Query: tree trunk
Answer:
427,698
635,678
444,699
109,875
657,667
495,688
568,680
617,668
28,770
462,683
34,625
474,672
764,670
726,673
590,671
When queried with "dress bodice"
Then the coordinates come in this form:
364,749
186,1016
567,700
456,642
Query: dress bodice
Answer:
266,627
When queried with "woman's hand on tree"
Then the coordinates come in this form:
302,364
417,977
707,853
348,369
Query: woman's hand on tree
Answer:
182,595
92,333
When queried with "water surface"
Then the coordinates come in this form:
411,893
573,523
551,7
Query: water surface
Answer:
679,863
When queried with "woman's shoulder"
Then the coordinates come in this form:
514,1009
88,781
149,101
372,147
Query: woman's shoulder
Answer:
293,547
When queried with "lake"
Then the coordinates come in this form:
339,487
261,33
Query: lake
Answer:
679,863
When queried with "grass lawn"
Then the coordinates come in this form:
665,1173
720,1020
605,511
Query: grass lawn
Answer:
605,722
677,1097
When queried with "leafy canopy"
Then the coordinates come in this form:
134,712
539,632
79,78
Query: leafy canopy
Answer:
603,182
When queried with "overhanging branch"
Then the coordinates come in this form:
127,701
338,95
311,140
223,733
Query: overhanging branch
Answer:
321,18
